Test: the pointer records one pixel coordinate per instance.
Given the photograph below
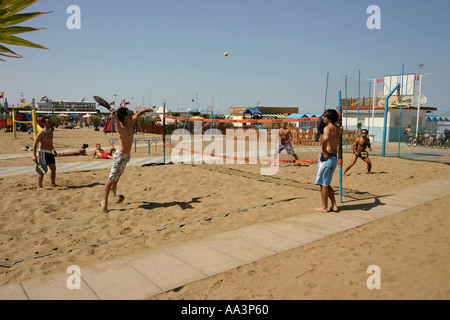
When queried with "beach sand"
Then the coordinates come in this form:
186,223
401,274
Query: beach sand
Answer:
412,248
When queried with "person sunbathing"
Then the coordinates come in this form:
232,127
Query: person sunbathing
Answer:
79,152
99,153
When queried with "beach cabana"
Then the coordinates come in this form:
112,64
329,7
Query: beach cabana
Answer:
252,112
306,124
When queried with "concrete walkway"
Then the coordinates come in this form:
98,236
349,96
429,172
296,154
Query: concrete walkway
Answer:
148,273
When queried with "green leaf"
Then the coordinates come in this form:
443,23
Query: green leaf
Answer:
5,49
9,39
15,30
18,18
10,56
16,6
5,3
9,18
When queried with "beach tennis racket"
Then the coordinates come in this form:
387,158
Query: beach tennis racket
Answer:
102,102
41,168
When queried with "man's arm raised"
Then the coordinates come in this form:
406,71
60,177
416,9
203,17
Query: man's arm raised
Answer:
140,113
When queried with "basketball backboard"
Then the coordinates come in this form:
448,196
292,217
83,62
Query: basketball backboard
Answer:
408,84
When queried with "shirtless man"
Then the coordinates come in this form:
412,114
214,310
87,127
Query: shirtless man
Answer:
47,152
286,138
125,121
328,160
99,153
359,151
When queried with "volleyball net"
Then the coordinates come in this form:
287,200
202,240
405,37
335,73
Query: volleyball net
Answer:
247,141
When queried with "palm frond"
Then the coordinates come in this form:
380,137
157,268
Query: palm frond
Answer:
10,7
19,18
9,18
9,39
16,30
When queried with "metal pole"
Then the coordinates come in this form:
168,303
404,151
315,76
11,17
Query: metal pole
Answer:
401,109
14,121
373,103
346,115
34,118
359,97
368,113
340,161
386,102
418,105
164,132
326,93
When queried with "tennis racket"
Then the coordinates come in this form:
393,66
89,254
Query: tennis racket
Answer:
41,168
102,102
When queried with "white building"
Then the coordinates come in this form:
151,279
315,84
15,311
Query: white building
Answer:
373,120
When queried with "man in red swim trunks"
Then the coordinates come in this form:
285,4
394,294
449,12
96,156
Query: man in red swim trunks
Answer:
99,153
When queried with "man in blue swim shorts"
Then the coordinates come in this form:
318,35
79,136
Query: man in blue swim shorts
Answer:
328,160
325,169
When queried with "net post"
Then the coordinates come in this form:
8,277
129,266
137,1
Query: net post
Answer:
164,133
340,161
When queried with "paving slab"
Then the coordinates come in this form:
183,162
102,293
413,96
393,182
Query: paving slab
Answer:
54,287
393,204
241,249
292,230
320,222
118,280
269,240
424,193
12,292
203,258
400,202
336,219
163,269
414,198
368,216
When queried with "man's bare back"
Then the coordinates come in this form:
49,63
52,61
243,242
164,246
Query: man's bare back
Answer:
330,141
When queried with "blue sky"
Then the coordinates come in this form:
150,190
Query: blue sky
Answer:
279,51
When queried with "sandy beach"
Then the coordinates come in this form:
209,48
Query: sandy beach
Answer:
169,203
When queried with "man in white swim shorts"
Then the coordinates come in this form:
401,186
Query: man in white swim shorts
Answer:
120,161
125,121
